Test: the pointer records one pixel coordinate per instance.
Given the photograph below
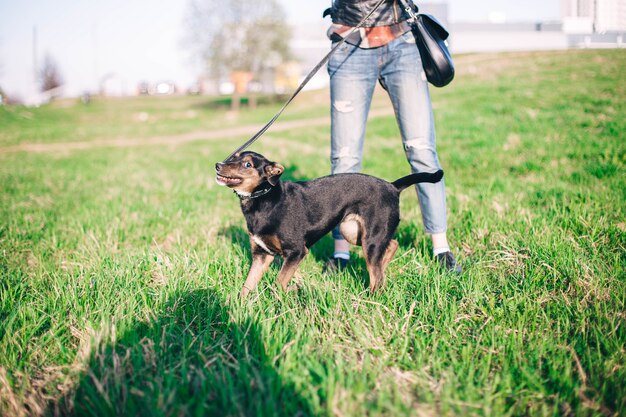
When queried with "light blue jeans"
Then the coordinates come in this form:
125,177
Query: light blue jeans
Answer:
354,73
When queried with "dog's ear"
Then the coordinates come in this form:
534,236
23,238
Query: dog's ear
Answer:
273,172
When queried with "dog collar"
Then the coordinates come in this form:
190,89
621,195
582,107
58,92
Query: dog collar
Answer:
255,194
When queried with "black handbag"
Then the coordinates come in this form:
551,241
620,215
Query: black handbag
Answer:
430,37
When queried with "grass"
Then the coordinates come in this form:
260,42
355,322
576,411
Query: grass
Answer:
120,267
139,117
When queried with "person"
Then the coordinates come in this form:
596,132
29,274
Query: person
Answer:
384,51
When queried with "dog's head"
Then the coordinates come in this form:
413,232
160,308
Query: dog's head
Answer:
246,171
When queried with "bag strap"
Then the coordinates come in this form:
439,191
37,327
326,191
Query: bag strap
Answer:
303,83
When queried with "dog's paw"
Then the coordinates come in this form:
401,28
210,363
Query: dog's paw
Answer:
244,293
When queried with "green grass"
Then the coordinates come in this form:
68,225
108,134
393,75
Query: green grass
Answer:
120,267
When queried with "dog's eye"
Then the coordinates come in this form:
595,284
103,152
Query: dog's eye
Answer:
247,164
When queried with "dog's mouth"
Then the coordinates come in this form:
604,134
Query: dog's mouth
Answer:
227,181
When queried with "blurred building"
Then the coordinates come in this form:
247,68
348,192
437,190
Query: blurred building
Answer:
593,16
610,15
577,8
466,37
584,24
577,16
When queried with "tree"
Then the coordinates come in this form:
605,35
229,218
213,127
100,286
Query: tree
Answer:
49,75
239,36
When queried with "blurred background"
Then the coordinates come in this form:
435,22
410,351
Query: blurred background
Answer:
62,48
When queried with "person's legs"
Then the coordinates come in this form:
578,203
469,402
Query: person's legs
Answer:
353,74
403,77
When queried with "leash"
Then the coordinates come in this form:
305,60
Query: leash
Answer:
324,60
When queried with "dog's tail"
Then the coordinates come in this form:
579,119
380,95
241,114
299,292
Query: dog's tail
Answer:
409,180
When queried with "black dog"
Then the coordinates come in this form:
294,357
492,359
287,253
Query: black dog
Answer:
287,218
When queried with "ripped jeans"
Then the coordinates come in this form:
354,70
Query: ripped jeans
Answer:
354,73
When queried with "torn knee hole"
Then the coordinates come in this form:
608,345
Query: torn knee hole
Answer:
343,106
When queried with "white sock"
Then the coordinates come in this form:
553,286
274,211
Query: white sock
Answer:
443,249
342,255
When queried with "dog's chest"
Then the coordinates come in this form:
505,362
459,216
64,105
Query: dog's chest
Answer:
268,243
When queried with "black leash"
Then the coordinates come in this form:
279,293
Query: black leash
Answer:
304,82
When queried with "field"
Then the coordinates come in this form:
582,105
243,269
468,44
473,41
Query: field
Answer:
121,259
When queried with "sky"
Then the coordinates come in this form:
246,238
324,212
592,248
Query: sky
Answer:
142,40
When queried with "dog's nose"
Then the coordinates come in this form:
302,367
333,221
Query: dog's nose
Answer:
218,166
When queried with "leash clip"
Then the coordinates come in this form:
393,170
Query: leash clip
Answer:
410,8
411,13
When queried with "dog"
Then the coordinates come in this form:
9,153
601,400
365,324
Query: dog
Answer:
286,218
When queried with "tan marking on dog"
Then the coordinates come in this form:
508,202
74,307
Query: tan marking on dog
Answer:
260,263
391,250
260,242
250,180
377,271
351,228
269,243
274,243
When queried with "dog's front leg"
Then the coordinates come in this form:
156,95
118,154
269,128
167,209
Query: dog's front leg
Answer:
292,260
260,262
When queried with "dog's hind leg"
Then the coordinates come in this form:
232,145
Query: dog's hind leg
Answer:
374,254
391,250
290,265
260,262
377,260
